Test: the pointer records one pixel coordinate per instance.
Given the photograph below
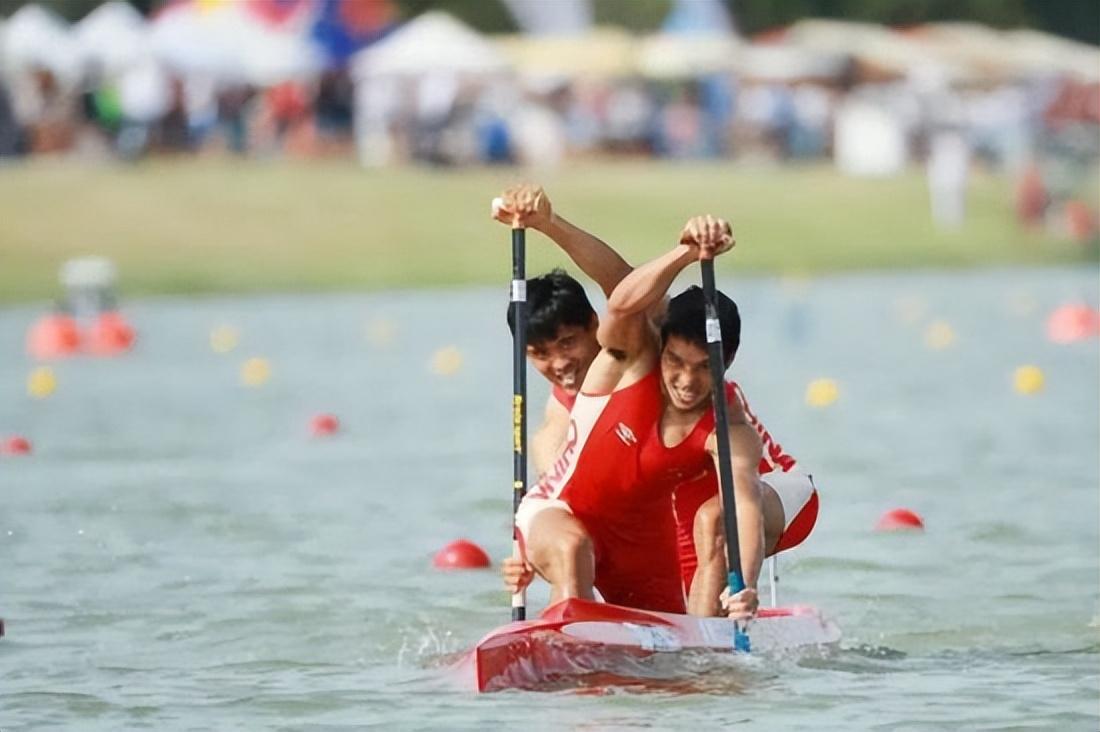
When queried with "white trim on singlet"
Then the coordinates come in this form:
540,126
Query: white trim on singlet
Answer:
582,420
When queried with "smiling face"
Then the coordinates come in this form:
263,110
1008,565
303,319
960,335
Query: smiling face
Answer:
564,359
685,374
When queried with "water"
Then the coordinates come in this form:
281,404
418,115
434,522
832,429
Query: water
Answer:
179,554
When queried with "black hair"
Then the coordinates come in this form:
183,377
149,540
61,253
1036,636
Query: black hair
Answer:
553,300
686,319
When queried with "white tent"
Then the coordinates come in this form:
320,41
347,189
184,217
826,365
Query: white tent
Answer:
601,52
1039,52
432,42
112,37
39,38
687,55
227,43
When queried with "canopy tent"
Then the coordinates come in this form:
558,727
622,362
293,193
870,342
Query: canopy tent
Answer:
229,43
878,50
112,37
432,42
781,62
687,55
603,52
38,38
1040,52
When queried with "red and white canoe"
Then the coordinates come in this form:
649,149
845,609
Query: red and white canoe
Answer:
575,638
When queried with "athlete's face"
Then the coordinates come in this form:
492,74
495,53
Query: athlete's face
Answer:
565,358
685,373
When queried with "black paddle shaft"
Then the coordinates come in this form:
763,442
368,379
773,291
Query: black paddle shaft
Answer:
721,424
519,391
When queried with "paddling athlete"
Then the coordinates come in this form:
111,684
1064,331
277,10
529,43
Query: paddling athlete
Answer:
562,342
593,521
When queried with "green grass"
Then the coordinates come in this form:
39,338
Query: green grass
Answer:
224,226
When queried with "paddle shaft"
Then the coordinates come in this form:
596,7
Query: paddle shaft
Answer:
722,436
519,398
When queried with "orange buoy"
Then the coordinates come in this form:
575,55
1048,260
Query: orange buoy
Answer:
109,335
15,445
900,519
461,554
1073,322
53,336
324,424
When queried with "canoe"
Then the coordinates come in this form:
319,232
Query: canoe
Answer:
575,638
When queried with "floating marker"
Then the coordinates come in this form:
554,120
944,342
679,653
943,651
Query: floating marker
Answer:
41,382
224,338
1073,322
939,335
447,361
15,445
1028,380
900,519
53,336
109,335
255,372
324,424
461,554
821,393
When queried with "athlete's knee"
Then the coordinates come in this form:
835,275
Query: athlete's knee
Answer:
709,537
572,545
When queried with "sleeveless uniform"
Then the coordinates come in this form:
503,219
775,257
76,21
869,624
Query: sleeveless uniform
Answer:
596,478
691,468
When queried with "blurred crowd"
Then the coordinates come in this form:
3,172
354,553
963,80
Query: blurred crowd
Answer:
432,90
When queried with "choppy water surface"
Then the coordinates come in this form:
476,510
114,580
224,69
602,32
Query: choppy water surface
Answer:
179,554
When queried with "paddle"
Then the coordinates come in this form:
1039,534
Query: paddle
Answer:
721,434
519,398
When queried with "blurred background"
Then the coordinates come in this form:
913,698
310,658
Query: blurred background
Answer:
982,117
254,369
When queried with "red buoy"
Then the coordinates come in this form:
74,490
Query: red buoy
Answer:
461,554
1073,322
109,335
900,519
15,445
324,424
53,336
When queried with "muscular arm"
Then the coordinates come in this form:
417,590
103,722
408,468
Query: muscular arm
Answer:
646,286
528,205
595,258
745,453
548,438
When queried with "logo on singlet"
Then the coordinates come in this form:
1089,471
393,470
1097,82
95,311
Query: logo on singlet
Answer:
625,434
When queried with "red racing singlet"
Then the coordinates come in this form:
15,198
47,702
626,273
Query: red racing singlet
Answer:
629,520
690,467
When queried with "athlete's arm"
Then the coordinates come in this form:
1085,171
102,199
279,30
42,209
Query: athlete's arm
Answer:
548,438
745,454
530,207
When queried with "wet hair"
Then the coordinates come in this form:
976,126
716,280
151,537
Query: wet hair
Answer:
686,319
554,300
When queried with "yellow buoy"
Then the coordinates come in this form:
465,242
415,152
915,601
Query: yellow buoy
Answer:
224,338
255,372
380,332
939,335
822,392
41,382
446,361
1028,380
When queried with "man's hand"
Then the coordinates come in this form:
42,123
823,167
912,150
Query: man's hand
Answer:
709,235
742,606
517,574
524,207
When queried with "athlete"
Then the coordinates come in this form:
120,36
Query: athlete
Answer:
594,519
561,334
